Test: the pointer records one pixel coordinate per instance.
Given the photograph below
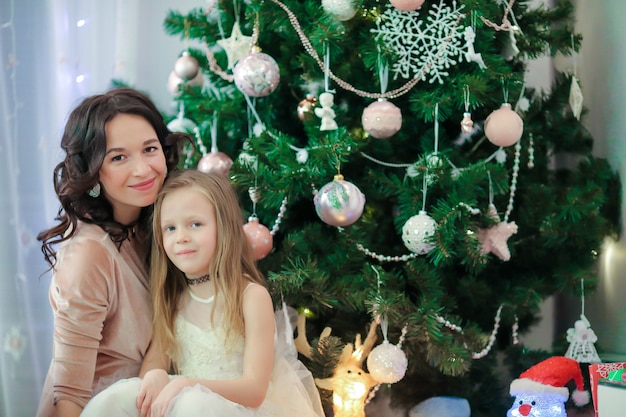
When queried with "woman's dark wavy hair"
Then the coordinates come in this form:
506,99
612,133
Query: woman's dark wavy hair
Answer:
84,144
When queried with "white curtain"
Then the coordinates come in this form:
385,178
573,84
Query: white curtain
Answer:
52,54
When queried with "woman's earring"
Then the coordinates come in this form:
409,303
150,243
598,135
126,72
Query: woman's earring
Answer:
95,191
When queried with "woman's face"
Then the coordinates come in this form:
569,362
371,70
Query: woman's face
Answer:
134,166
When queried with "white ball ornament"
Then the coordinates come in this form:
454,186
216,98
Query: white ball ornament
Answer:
257,74
381,119
339,203
342,10
186,67
504,127
407,5
387,363
417,232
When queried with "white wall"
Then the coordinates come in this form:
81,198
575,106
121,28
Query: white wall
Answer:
601,67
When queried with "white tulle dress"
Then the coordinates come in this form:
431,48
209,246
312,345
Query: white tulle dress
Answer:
205,354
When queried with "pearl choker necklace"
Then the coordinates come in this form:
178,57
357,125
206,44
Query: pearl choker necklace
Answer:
197,281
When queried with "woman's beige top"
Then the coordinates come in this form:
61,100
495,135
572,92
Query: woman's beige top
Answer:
100,298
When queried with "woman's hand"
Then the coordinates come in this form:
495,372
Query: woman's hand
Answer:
152,384
162,402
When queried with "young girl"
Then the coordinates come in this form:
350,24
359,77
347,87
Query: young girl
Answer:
214,322
117,154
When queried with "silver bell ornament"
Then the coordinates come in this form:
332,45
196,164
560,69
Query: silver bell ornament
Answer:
339,203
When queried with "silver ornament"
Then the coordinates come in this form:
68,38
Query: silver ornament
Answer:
417,233
339,203
387,363
186,67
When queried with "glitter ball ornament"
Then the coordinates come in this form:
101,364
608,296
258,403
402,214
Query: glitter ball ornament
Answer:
306,108
504,127
467,123
256,74
217,162
339,203
259,237
341,9
407,5
382,119
417,231
174,81
387,363
186,67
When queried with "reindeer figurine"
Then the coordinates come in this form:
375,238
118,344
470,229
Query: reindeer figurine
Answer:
350,384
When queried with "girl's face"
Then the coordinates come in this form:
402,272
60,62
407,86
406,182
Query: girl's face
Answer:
134,166
189,229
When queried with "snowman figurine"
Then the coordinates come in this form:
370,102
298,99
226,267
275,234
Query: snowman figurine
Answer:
540,391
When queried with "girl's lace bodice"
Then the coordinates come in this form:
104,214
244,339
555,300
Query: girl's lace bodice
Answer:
204,351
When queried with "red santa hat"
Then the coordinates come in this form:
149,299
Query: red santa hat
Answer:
550,377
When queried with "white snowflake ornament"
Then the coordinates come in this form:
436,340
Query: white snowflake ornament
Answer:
426,47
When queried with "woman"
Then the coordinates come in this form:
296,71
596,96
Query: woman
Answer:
118,151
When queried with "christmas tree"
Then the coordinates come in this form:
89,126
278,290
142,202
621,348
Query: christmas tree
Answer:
397,170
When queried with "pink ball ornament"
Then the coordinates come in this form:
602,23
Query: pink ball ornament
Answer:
387,363
417,232
217,162
407,5
339,203
259,237
256,74
504,127
382,119
174,81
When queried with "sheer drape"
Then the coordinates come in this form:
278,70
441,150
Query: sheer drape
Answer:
52,54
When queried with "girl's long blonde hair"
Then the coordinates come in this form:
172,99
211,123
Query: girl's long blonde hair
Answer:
232,268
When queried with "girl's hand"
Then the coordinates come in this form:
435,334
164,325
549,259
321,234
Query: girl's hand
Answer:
152,384
162,402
